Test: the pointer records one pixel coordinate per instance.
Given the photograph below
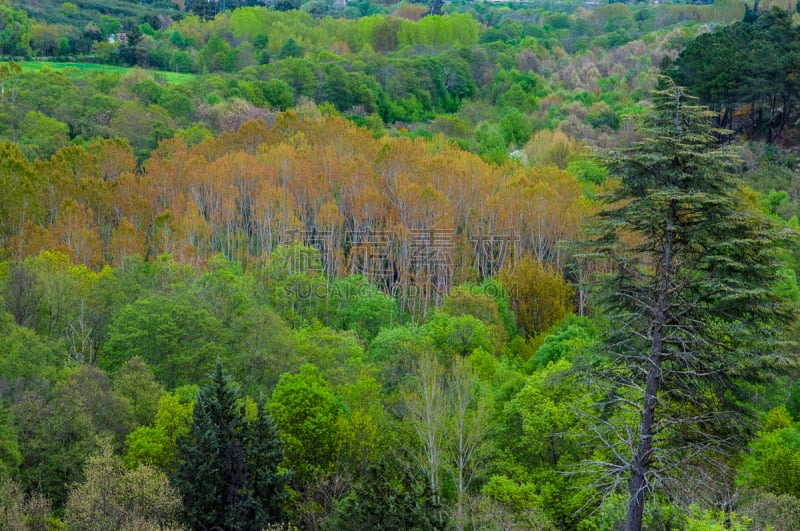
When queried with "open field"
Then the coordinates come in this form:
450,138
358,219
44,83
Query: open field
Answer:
80,69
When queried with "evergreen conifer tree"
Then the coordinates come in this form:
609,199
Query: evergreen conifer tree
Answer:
228,464
695,319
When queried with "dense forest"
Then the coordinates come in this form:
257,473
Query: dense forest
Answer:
309,264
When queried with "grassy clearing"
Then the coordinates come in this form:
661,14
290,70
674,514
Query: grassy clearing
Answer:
79,70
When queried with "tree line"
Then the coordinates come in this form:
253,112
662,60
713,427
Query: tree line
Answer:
387,209
747,72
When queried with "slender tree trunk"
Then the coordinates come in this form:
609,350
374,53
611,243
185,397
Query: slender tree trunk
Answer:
641,461
787,109
460,504
771,127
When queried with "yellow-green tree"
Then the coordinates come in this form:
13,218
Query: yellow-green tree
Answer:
539,296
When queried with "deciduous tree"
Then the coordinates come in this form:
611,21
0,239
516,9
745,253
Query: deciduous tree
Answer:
112,497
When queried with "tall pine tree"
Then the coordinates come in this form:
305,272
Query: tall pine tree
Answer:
228,464
695,320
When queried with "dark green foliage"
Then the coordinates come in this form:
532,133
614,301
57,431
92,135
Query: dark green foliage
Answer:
203,8
55,439
290,49
266,453
748,64
515,127
10,457
695,317
175,337
793,402
88,391
217,55
278,94
287,5
228,463
387,500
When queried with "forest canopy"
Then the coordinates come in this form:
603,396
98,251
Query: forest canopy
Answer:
374,265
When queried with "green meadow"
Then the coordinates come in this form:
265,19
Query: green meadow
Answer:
78,70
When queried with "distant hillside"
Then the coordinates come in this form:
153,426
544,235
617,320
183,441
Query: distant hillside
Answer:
78,13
